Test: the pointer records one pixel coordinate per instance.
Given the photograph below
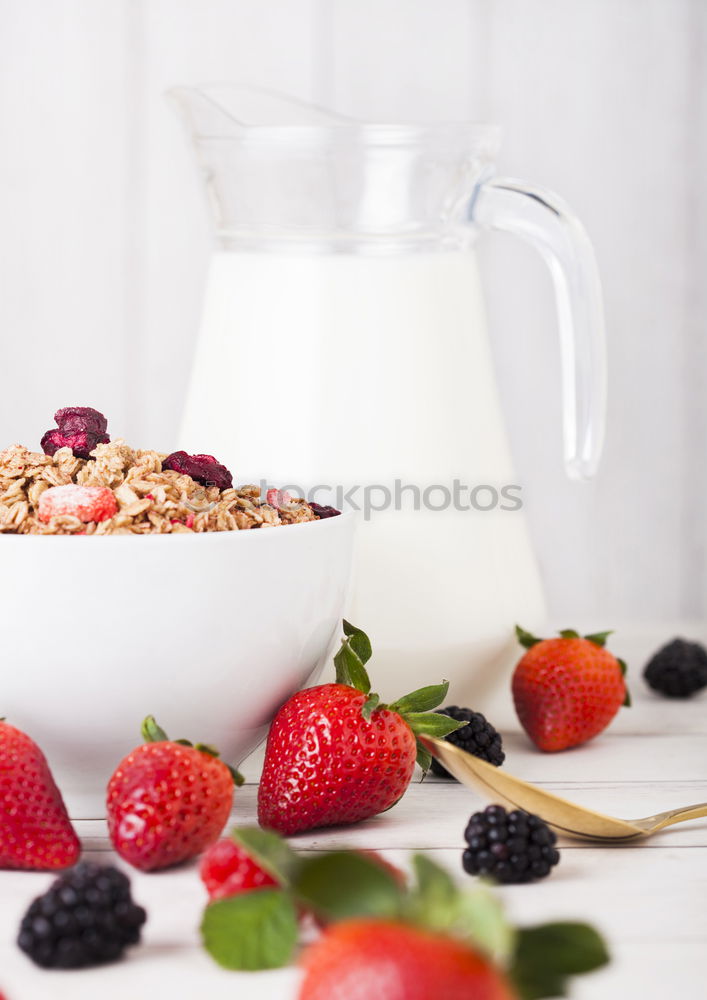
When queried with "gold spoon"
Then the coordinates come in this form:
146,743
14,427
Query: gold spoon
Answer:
567,817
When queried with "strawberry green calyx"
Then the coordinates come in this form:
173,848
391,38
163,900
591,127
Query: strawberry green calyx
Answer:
151,732
257,930
270,851
526,639
414,708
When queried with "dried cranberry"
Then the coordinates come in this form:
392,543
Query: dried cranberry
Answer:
72,419
203,469
82,443
80,428
323,512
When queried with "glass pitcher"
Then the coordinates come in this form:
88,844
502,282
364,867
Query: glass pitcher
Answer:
344,348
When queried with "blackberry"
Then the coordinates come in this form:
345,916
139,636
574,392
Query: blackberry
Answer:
678,670
87,917
509,847
478,738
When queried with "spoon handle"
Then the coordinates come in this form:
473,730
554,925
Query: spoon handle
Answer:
661,820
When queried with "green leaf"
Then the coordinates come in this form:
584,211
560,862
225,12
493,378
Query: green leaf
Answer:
526,639
151,732
347,884
421,700
569,633
360,643
253,930
546,956
238,778
369,706
480,918
423,759
599,638
270,850
476,916
623,668
432,724
434,896
350,669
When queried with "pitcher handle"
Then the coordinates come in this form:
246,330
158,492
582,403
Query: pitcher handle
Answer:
545,221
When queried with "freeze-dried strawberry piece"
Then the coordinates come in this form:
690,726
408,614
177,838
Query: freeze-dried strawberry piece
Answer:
278,498
204,469
323,512
81,443
87,503
71,419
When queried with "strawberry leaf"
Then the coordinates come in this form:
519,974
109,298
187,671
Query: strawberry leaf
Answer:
360,643
253,930
623,668
350,669
346,884
432,724
369,706
271,851
599,638
423,759
151,732
546,956
421,700
481,921
434,895
569,633
476,917
526,639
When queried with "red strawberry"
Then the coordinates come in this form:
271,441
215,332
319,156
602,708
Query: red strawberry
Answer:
336,755
35,831
359,959
167,801
567,690
228,868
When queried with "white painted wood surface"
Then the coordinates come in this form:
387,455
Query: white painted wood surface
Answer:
104,236
647,898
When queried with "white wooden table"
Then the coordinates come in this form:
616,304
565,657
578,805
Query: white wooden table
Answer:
650,899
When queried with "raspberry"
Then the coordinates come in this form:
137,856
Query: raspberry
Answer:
87,503
227,869
323,512
509,847
478,738
86,918
278,498
203,469
80,428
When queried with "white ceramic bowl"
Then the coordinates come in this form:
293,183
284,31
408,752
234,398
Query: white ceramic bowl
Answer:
210,633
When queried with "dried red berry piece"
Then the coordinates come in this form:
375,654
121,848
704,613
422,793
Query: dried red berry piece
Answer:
82,443
80,428
72,419
203,469
323,512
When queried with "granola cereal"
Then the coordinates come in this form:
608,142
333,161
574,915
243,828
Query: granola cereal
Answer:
150,499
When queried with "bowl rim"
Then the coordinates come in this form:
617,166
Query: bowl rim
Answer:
345,517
